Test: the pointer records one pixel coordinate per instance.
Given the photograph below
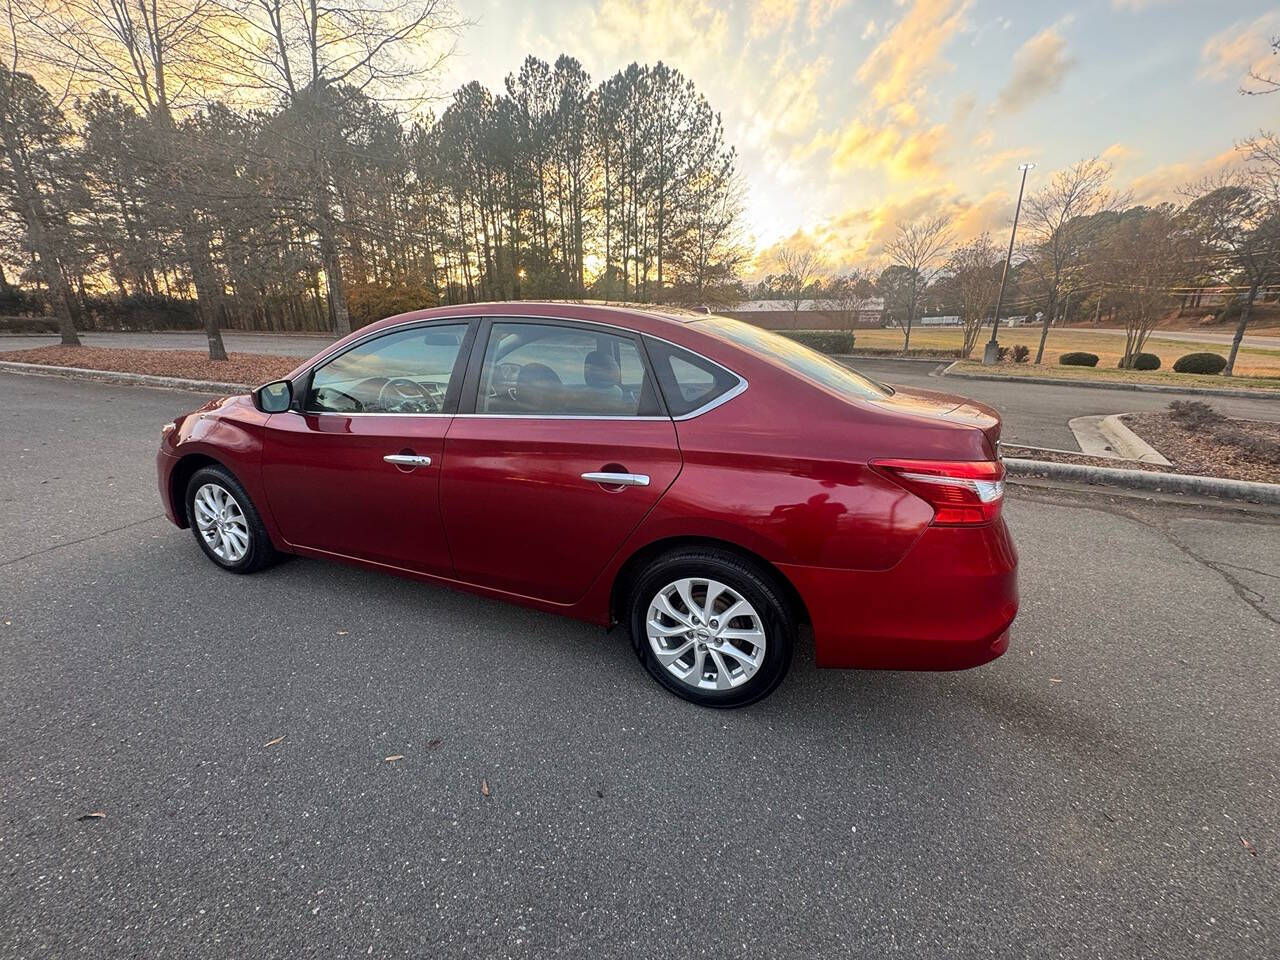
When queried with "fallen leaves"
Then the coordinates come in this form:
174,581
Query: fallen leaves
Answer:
393,758
484,788
99,815
432,744
1253,851
272,743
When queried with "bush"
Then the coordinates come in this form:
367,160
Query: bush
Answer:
1200,363
28,325
1079,359
1194,413
1141,361
1021,353
824,341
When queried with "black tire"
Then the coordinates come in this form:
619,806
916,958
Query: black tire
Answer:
754,584
260,552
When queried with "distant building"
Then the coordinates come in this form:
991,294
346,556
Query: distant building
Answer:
950,321
812,315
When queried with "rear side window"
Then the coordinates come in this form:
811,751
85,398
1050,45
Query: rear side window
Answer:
688,381
533,369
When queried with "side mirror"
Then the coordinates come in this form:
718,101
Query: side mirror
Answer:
274,397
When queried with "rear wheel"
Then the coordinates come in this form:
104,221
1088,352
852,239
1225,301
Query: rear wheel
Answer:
712,627
225,523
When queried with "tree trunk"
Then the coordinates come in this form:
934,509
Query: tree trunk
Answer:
1044,327
1229,370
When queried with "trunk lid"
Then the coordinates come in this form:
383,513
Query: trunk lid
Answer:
945,406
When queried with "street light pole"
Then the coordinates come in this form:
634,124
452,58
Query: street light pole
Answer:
992,351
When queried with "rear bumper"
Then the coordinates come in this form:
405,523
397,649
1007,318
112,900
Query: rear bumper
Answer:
946,606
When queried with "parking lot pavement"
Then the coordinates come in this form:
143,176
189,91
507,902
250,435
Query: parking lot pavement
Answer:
1109,788
1037,414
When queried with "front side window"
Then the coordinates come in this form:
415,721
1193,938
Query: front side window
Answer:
403,372
534,369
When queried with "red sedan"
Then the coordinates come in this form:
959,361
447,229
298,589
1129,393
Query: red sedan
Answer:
709,483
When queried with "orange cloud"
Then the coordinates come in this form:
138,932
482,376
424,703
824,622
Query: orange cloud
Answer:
1164,182
1240,49
900,64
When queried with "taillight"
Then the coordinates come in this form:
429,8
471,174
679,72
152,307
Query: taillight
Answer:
961,492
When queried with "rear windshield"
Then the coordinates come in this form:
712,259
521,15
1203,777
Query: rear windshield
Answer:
797,358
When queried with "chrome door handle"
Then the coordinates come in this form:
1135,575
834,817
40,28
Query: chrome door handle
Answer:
618,479
407,460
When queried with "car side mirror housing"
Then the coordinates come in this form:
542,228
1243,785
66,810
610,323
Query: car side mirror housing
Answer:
274,397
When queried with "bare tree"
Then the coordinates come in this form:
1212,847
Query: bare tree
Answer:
919,251
309,54
1145,254
1059,228
975,271
1238,227
847,296
157,56
799,266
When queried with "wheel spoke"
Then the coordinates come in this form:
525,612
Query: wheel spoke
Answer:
685,589
663,603
668,657
657,629
714,590
754,636
723,680
750,662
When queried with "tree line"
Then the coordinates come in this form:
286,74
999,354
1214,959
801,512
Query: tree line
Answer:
271,165
1085,252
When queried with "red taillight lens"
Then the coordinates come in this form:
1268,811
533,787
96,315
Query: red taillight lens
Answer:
961,492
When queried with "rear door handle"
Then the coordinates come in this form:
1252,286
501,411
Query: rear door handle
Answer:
618,479
407,460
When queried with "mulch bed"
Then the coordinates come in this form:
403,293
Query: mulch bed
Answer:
1237,449
1234,449
252,368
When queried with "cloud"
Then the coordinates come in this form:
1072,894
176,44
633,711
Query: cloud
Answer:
1038,69
1233,53
911,52
1005,159
768,17
676,31
857,235
1136,5
1164,182
900,151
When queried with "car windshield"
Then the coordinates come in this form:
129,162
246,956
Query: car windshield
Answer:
798,358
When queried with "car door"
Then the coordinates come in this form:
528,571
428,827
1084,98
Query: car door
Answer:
355,470
560,447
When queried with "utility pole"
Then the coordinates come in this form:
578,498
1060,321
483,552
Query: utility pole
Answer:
992,351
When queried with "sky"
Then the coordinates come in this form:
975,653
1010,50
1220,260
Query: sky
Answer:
850,116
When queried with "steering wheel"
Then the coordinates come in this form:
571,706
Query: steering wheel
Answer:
402,395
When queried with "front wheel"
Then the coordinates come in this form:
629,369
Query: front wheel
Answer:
225,523
712,627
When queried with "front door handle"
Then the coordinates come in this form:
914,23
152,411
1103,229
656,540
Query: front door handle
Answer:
407,460
618,479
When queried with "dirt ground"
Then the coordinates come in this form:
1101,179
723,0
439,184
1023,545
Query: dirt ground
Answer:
250,368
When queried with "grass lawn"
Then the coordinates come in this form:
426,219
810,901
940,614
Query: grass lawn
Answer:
1251,362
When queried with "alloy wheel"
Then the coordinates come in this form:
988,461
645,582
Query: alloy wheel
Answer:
221,522
705,634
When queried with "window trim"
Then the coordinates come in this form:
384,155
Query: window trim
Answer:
463,403
470,398
302,383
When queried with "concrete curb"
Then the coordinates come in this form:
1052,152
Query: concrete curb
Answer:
1119,385
1217,487
885,356
115,376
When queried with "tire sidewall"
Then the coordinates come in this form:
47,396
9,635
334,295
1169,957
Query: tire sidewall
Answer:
779,629
258,550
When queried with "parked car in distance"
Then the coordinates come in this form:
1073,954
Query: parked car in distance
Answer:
708,483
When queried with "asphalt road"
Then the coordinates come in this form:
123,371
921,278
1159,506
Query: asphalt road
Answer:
1109,788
